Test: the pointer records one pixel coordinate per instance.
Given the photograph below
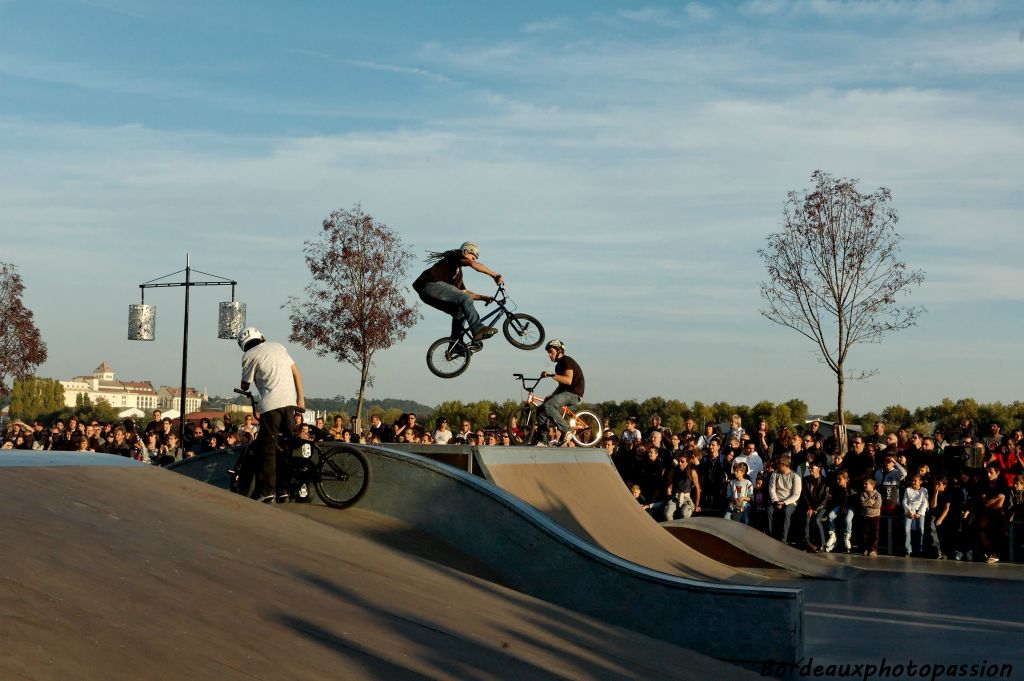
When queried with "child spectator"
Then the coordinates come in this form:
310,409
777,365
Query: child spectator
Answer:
740,492
915,505
841,497
989,521
870,513
940,519
1014,505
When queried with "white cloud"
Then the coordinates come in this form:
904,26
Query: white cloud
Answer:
929,10
546,25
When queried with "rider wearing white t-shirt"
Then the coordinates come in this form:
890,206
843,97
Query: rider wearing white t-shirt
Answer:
279,382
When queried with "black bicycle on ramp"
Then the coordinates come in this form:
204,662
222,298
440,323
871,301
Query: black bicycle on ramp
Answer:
449,357
339,476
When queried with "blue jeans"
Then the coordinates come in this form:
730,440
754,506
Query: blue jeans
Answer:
453,301
909,525
551,410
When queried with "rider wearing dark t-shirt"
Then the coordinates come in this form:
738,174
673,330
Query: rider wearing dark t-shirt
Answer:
441,286
571,385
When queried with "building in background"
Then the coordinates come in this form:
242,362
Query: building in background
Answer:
124,395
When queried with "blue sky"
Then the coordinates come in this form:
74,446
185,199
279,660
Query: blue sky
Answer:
620,163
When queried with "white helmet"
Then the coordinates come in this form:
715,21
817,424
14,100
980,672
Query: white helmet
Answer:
470,247
247,334
556,345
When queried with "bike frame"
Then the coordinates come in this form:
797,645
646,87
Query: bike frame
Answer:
500,298
535,400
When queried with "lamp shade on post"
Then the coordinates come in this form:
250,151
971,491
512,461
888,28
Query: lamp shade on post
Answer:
231,320
142,322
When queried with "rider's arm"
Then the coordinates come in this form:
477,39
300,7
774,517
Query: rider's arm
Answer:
564,379
477,296
300,400
480,267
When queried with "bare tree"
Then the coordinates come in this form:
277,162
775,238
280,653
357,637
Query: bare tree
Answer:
21,346
834,273
355,304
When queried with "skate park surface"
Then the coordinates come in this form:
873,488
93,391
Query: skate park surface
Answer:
98,560
132,572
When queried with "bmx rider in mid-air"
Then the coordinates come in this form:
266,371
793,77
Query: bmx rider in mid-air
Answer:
441,286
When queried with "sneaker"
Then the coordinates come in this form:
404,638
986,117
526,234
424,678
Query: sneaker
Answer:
846,544
959,555
873,553
282,498
268,499
941,556
969,556
992,559
831,543
484,332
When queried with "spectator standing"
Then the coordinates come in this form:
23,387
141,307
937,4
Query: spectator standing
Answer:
870,512
915,506
442,435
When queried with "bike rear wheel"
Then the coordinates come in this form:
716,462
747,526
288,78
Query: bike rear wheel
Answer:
588,429
522,425
243,478
523,331
447,358
342,477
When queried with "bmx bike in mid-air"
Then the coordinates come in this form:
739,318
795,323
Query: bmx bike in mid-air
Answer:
449,357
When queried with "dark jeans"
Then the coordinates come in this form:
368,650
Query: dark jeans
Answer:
454,301
268,456
870,542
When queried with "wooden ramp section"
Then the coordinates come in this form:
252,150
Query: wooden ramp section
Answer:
581,491
140,573
742,546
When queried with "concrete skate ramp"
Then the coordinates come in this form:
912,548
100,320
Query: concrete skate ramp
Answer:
132,573
581,491
535,555
740,545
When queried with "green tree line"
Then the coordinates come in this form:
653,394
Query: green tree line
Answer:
43,398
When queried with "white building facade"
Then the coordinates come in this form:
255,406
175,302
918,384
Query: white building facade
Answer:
122,395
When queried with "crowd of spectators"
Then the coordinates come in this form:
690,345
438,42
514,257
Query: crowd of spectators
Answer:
945,497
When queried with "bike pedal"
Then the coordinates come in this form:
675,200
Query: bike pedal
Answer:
477,346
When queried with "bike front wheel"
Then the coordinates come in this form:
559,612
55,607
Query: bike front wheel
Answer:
588,429
447,358
342,477
523,331
522,425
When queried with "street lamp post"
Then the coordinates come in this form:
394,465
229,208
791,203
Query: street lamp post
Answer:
142,320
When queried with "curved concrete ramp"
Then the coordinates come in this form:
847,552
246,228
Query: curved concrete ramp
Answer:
138,573
741,545
581,491
535,555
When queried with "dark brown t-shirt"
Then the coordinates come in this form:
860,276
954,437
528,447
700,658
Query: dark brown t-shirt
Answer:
578,384
448,269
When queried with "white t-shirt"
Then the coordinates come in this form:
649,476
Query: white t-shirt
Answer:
269,367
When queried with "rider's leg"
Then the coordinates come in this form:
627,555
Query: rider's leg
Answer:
452,300
552,408
265,447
